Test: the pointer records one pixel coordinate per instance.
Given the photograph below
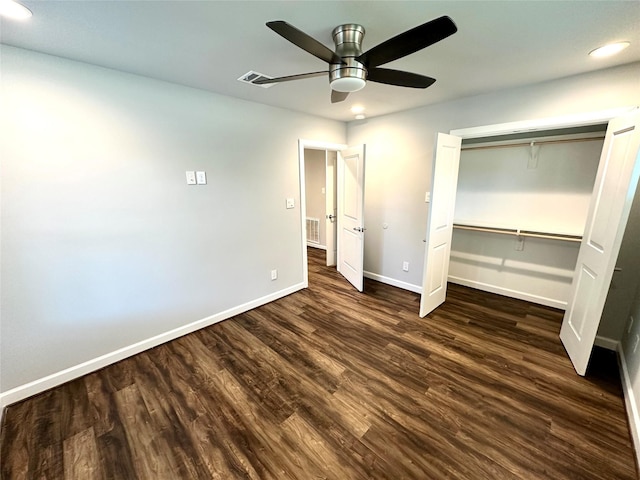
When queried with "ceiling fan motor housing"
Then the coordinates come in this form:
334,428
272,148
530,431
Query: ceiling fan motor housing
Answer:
350,75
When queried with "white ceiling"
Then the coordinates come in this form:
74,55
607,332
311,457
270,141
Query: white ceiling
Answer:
209,44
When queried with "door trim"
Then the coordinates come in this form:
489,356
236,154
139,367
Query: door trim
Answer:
316,145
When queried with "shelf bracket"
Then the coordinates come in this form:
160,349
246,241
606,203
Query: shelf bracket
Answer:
519,241
533,156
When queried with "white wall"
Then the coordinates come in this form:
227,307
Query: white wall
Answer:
315,178
400,149
103,243
541,272
497,188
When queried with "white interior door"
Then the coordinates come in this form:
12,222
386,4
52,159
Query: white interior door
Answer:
616,182
331,207
351,214
440,222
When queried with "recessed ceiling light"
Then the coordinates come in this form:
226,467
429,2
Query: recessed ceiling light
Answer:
357,109
11,9
609,50
360,116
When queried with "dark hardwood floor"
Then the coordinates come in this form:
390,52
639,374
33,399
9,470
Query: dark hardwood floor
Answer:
329,383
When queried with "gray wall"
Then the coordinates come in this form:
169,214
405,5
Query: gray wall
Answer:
629,308
624,282
400,149
103,243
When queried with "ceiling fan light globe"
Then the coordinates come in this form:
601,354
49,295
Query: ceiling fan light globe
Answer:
348,84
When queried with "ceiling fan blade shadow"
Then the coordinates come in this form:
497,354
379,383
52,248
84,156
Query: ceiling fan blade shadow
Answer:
409,42
338,96
399,78
304,41
288,78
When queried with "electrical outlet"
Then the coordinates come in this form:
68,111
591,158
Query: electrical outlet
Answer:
630,324
635,343
405,266
519,243
274,274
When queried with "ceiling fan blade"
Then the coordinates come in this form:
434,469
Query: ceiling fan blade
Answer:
288,78
338,96
304,41
399,78
409,42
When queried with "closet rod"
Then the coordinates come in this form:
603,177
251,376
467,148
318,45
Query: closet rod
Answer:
520,233
528,144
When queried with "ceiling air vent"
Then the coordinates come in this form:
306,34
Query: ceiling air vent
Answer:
252,76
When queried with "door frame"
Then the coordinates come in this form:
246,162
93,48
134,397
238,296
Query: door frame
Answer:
314,145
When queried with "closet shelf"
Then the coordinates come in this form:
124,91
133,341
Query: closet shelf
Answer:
531,143
519,233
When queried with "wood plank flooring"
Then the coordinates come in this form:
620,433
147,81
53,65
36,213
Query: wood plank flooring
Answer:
329,383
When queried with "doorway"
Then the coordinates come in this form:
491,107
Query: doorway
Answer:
315,159
344,208
321,203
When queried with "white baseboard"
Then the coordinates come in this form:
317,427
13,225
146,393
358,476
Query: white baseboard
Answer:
316,245
606,342
630,402
507,292
393,282
42,384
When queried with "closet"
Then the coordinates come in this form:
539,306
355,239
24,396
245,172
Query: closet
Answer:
520,212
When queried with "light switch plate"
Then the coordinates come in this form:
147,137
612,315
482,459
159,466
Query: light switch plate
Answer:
290,203
191,177
201,178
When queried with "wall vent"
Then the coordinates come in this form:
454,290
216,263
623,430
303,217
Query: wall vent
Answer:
252,76
313,230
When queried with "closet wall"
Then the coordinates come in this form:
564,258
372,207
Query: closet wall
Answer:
540,190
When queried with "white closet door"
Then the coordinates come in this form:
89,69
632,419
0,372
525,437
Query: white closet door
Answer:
440,223
615,186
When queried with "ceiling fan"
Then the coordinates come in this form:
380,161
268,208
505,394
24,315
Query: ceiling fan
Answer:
350,68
